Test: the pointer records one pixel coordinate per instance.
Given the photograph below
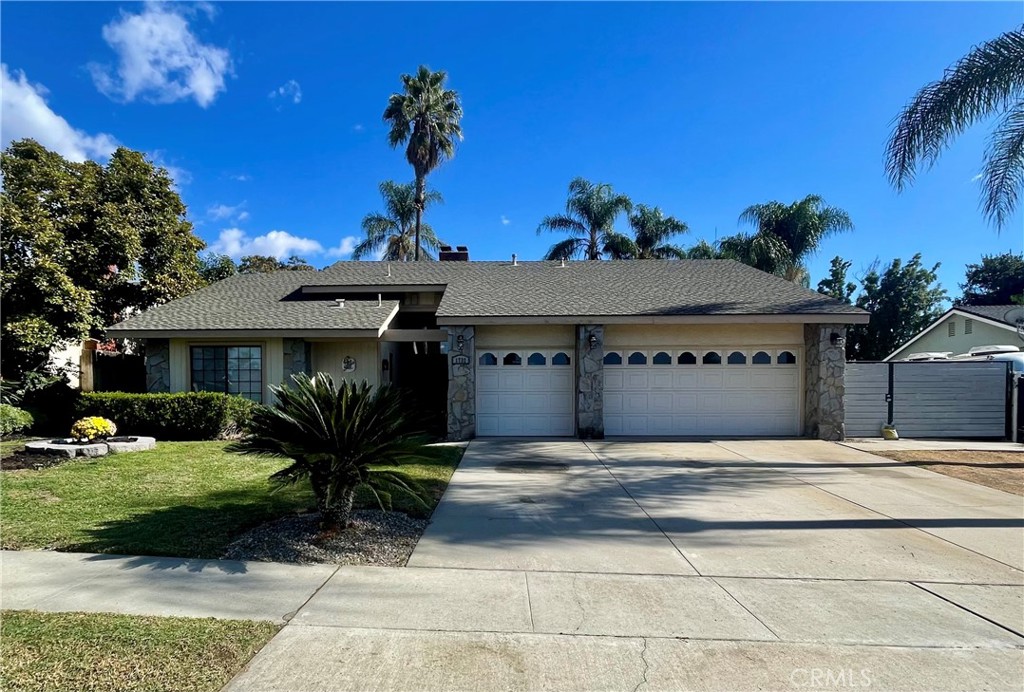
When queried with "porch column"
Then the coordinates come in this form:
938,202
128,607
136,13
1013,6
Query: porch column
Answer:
158,364
824,381
461,383
590,381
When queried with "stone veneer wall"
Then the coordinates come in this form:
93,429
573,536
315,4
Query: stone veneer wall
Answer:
590,382
298,358
461,384
824,383
158,364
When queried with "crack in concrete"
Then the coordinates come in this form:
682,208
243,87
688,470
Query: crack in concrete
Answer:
647,666
579,603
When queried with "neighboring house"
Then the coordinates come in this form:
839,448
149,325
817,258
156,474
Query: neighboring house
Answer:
962,328
644,347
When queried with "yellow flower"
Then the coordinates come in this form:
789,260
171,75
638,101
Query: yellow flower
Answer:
91,427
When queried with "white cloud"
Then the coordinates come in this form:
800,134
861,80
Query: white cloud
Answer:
505,220
977,177
344,248
25,113
221,212
160,59
358,127
289,91
241,177
280,244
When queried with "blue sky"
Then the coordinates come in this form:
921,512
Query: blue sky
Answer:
268,114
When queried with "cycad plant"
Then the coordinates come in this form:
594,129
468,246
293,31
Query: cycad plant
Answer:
336,437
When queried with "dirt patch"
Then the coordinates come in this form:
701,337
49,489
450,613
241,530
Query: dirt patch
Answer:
1000,470
20,461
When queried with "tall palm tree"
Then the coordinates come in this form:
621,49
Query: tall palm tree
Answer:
393,230
589,219
425,116
651,231
337,437
988,81
786,235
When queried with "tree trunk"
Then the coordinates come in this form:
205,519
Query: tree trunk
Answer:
336,510
421,195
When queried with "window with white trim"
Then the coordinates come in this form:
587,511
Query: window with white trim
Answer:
228,369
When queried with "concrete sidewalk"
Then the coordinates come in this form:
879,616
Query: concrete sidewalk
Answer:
873,444
164,586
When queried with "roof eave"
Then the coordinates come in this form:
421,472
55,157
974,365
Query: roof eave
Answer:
828,318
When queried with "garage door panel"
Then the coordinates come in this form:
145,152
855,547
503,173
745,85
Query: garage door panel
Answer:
688,399
524,399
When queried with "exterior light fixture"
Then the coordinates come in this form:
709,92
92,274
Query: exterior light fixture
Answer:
592,340
837,339
460,341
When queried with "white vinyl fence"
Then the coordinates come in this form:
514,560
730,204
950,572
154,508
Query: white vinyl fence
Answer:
929,399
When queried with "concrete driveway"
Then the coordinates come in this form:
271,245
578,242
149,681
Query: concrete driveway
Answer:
678,565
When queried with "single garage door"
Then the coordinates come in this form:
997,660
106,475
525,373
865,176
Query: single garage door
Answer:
524,392
690,391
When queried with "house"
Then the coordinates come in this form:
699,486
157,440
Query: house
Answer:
588,349
962,328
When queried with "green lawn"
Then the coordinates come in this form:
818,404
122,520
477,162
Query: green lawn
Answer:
185,499
78,651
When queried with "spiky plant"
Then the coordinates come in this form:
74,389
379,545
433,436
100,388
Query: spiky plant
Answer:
426,117
589,219
987,82
391,233
334,436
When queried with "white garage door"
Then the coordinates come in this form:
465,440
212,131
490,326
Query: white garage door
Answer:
716,391
524,392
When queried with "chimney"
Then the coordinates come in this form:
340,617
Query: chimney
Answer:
459,254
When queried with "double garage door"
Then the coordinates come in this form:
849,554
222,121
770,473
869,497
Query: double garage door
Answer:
715,391
647,391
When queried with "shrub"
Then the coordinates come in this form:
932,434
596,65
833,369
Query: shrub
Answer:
91,427
52,403
179,416
13,420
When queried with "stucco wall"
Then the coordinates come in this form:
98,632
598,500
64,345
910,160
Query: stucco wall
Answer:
938,339
273,360
522,336
329,355
703,335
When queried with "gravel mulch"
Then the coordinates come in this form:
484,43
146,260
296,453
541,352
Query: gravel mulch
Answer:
373,537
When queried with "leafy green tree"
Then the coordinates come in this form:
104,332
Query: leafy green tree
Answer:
214,267
651,233
426,117
296,263
987,83
836,284
259,264
393,230
997,280
704,250
902,300
337,437
83,245
589,220
785,236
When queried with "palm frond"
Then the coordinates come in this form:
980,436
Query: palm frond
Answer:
1003,172
987,81
619,247
570,248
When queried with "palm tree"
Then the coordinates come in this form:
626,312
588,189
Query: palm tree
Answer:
589,219
426,116
651,231
988,81
786,235
393,230
336,437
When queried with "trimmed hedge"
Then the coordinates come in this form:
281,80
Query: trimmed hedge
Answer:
13,420
179,416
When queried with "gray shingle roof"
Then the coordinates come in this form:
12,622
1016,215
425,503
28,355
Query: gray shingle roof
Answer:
494,290
258,302
992,312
